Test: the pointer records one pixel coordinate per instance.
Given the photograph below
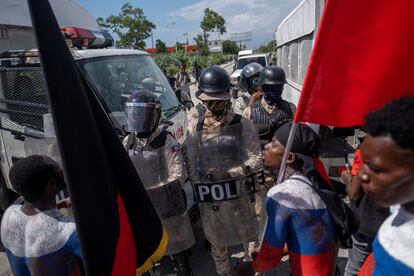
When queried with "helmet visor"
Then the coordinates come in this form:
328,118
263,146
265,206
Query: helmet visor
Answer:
141,117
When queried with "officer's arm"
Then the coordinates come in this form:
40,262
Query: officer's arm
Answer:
238,108
275,237
192,124
174,158
247,113
251,142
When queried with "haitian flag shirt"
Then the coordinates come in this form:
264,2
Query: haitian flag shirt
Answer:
298,218
45,243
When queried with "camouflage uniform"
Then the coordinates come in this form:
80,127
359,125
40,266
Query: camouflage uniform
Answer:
241,103
242,208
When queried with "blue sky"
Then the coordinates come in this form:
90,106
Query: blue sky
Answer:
174,18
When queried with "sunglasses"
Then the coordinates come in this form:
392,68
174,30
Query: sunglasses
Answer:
254,81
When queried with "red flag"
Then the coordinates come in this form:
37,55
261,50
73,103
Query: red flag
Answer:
363,57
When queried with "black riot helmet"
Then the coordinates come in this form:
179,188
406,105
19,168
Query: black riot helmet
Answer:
272,75
142,113
214,84
249,71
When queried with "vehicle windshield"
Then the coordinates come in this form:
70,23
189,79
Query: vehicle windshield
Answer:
116,78
244,61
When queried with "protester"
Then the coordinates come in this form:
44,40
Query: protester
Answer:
197,71
183,80
38,239
267,114
387,176
369,214
224,163
249,83
297,216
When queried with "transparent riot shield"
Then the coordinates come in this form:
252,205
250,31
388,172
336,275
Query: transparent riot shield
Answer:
162,179
44,146
225,168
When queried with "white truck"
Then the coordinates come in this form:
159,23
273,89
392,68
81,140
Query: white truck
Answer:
295,37
113,74
243,60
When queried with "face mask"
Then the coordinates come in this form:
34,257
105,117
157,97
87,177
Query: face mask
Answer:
273,93
217,107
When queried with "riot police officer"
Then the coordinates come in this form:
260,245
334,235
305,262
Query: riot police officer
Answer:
158,158
249,82
224,165
271,111
268,113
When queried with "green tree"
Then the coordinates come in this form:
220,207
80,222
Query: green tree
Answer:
131,26
160,46
179,47
212,22
230,47
267,47
200,45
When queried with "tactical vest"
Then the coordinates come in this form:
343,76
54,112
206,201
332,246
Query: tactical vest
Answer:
157,143
267,123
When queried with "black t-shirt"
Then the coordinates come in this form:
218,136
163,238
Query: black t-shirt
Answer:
371,216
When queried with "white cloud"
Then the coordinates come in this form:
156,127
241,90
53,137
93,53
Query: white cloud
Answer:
259,16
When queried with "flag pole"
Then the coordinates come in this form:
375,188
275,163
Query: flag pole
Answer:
286,154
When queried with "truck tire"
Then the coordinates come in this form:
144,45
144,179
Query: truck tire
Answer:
7,196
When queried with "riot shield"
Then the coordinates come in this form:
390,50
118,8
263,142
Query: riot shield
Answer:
162,179
225,169
45,146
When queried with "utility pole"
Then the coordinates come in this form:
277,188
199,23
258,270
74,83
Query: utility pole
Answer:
152,39
172,26
185,48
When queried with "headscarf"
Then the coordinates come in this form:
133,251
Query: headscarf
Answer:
306,146
306,141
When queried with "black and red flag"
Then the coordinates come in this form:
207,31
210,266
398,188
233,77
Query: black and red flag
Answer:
119,230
